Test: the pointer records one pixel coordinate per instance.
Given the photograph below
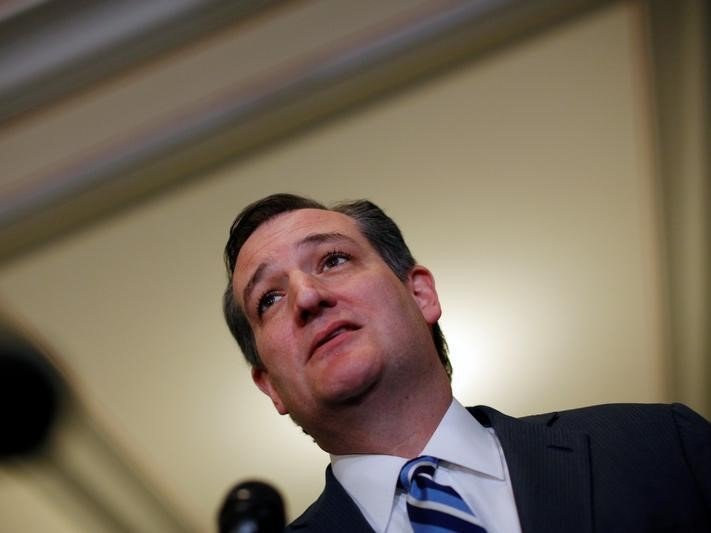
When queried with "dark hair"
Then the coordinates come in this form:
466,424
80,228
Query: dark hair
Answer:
380,230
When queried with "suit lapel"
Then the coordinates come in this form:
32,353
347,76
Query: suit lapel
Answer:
333,511
549,469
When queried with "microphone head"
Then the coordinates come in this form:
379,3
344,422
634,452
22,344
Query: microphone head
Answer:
252,507
30,396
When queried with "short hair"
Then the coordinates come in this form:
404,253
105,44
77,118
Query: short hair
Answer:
378,228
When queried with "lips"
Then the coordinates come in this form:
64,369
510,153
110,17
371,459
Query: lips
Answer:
331,332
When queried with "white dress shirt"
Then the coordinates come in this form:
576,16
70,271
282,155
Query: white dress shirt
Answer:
471,461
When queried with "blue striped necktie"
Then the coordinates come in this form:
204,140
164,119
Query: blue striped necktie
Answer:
433,507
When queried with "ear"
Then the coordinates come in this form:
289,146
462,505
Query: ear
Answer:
422,285
261,379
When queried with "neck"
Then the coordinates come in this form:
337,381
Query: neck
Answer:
389,419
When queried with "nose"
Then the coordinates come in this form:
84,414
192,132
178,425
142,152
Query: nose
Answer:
309,297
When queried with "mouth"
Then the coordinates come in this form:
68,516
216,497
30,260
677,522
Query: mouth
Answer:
331,332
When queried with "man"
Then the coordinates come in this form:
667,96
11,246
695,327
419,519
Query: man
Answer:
339,325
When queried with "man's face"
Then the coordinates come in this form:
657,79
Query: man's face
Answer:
330,319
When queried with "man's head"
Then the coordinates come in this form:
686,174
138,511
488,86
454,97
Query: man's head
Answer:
380,230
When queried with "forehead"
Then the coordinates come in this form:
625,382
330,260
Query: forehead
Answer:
282,234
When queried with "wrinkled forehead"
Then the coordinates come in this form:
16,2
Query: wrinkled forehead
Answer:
277,238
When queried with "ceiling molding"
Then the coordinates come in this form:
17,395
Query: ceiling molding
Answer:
50,50
371,62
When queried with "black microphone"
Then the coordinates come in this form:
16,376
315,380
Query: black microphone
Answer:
252,507
30,395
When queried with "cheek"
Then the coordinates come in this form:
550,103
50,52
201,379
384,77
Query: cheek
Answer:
390,296
266,348
275,346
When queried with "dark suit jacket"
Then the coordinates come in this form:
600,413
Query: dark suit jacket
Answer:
609,468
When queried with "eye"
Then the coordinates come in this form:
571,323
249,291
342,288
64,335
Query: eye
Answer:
268,299
334,259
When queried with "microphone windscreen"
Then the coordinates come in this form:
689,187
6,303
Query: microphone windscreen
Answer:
29,397
252,507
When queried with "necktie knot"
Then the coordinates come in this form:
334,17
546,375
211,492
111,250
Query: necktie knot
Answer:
431,506
424,465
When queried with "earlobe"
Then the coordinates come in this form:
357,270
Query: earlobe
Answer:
261,379
423,289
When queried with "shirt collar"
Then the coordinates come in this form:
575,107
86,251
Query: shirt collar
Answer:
459,439
371,481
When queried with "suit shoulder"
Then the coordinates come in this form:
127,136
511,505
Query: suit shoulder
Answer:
334,510
605,417
304,519
311,515
634,418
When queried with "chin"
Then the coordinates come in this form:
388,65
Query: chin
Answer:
350,389
352,395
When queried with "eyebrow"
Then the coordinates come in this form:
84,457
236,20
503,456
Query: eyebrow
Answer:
311,239
318,238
